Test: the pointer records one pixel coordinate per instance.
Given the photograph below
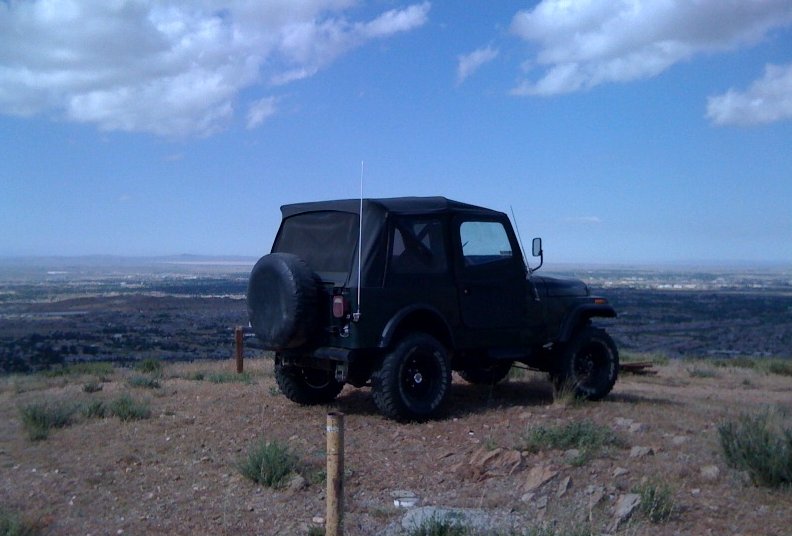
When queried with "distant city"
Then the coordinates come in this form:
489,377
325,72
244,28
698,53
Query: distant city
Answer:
183,308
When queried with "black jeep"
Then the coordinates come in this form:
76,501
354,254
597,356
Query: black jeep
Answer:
402,291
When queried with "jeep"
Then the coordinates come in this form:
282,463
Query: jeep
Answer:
398,293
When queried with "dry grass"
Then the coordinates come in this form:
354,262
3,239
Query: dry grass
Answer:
174,472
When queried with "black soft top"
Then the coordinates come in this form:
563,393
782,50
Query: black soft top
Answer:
323,237
393,205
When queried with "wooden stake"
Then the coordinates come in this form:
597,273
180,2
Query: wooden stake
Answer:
239,338
335,475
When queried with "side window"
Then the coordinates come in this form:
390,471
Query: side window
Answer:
418,247
484,242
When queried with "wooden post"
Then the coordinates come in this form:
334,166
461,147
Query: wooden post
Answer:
239,339
335,475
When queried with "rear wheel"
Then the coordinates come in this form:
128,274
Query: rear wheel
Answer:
488,373
414,379
307,386
589,364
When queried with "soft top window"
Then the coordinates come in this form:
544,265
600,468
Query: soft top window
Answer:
418,247
484,242
326,240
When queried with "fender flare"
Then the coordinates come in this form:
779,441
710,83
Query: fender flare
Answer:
396,321
580,314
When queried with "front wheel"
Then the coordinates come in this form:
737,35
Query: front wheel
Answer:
307,386
414,379
589,364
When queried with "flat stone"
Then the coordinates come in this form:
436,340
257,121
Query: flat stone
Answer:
679,440
619,471
624,423
625,505
638,427
563,486
537,476
638,452
297,483
710,472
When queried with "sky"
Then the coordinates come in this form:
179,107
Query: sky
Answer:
620,131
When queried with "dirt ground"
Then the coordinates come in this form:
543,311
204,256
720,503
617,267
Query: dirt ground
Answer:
175,473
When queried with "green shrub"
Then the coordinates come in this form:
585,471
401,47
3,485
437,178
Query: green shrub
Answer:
268,463
641,357
144,382
760,445
780,367
439,527
92,387
12,525
127,408
95,409
149,366
699,372
95,368
39,418
229,377
657,500
589,438
741,362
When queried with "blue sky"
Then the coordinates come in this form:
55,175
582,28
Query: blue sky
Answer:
621,131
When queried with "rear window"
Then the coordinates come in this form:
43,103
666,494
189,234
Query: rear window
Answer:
325,240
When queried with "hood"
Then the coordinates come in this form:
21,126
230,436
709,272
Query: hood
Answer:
560,287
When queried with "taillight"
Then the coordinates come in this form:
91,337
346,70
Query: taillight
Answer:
340,306
600,301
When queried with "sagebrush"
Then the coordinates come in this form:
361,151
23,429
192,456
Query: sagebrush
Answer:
761,445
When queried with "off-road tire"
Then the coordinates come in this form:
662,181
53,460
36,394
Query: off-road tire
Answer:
283,301
414,379
589,364
307,386
488,373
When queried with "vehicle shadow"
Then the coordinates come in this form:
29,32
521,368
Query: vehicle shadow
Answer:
463,400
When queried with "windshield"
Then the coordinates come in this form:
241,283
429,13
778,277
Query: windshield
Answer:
326,240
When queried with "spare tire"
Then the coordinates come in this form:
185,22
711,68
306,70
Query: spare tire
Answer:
283,301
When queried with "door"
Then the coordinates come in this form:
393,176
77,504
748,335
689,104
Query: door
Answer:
491,282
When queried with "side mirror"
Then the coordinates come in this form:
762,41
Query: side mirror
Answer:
537,247
537,252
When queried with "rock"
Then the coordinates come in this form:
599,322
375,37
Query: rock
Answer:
625,505
624,423
571,454
619,471
638,427
639,452
710,472
537,476
563,486
678,440
541,502
595,494
297,483
527,497
487,463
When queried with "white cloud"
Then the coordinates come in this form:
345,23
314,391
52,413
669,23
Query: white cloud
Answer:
470,63
260,110
587,43
767,100
173,68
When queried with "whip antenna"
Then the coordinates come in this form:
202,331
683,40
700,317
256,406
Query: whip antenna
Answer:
356,315
519,238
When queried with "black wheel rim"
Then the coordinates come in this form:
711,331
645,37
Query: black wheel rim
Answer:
316,379
591,362
419,376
